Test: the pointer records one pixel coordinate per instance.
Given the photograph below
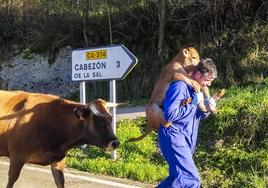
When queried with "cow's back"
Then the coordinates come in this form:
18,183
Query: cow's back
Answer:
12,103
19,111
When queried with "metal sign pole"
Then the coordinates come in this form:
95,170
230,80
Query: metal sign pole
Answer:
83,92
83,100
113,99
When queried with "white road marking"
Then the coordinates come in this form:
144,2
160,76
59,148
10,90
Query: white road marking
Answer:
85,178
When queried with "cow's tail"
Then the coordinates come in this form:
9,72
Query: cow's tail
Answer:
148,131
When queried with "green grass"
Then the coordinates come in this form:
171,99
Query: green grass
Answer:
138,161
232,149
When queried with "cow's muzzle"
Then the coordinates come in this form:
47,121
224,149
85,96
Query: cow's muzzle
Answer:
113,145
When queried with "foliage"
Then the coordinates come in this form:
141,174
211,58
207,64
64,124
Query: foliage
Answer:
232,149
236,154
233,33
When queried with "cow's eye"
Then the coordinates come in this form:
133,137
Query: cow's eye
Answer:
99,123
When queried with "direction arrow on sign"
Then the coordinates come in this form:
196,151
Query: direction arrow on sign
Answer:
112,62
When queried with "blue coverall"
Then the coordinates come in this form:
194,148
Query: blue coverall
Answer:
177,142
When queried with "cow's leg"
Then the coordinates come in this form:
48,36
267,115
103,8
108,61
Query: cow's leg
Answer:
57,172
3,152
15,167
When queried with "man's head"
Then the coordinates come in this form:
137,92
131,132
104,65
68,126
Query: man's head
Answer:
205,72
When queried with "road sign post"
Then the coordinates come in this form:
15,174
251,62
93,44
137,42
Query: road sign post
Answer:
113,99
112,62
83,100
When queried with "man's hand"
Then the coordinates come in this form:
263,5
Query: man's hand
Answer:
210,101
198,97
211,105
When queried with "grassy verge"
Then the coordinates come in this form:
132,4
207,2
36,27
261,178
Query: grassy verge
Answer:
232,149
138,161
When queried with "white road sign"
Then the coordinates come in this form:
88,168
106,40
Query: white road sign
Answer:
112,62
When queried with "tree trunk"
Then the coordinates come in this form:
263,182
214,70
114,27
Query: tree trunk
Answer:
162,20
109,21
85,9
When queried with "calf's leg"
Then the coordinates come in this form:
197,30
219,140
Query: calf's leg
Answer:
15,167
57,172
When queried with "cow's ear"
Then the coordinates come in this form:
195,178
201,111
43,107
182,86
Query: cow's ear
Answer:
80,113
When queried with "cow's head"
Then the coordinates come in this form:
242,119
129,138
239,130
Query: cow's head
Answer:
97,124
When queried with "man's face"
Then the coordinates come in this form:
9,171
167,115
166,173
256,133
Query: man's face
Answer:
204,79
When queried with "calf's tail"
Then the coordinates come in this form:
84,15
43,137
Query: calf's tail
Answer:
148,131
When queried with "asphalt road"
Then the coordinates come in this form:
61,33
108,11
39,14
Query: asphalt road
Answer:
130,113
33,176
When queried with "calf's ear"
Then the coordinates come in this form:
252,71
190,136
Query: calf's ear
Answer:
81,113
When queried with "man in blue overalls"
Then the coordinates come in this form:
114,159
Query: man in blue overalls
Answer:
177,142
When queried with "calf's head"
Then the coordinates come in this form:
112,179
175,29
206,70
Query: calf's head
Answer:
97,124
188,56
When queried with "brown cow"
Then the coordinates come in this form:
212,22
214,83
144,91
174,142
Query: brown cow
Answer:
40,129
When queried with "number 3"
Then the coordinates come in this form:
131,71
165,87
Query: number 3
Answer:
118,64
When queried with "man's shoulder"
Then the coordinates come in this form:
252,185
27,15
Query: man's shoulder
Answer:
178,83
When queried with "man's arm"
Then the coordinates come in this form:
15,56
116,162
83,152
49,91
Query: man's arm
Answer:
175,94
